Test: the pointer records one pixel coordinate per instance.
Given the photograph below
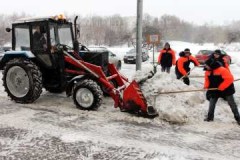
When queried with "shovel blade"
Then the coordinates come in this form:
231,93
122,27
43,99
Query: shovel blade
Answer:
134,101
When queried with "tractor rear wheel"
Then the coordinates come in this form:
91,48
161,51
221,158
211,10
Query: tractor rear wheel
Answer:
87,95
22,80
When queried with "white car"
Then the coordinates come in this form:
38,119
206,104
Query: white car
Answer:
130,56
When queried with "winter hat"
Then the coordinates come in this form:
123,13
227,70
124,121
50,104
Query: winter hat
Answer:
182,54
167,44
217,52
187,50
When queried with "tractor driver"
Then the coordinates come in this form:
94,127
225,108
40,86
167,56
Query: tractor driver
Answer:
39,40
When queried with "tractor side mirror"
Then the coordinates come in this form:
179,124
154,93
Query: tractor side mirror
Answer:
8,29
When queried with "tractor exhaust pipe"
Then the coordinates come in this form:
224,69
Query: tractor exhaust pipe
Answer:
76,31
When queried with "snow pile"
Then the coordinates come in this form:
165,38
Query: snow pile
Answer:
174,108
181,108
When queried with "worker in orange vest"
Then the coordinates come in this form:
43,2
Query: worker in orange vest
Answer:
183,65
217,76
166,58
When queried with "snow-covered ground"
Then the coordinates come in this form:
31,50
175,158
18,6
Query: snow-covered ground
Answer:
52,128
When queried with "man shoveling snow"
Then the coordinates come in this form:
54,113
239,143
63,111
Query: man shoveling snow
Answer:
219,77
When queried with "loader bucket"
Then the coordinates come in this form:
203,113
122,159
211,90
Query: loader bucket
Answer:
135,102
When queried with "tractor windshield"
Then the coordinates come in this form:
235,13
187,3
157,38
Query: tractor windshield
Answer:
65,35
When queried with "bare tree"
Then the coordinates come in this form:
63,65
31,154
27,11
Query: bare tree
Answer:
117,30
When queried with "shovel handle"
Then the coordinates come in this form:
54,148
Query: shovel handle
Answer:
237,80
187,73
184,91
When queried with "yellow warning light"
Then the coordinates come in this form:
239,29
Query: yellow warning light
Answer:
60,17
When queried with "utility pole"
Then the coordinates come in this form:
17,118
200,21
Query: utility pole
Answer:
139,35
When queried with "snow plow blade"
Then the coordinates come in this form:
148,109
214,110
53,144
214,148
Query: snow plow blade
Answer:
135,102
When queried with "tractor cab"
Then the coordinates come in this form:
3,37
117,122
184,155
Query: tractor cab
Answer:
39,40
38,37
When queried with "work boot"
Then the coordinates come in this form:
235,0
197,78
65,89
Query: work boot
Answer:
238,122
237,118
208,119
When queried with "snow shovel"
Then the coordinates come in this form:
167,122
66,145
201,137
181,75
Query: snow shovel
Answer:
184,91
237,80
196,76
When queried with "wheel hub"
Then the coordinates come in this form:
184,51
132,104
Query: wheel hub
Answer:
84,97
17,81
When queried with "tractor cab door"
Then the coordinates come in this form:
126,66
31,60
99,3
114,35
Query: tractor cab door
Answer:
40,44
55,78
60,34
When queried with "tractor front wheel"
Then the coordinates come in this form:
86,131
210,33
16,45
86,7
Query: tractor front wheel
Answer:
22,80
87,95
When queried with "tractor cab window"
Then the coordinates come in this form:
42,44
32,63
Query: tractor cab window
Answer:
22,38
40,44
65,35
39,38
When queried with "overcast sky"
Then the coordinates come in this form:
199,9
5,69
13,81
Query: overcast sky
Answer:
196,11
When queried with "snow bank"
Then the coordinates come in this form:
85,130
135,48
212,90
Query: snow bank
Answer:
179,108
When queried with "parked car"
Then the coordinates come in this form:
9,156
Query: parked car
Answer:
130,56
203,55
113,58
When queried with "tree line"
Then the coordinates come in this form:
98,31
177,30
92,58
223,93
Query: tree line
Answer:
117,30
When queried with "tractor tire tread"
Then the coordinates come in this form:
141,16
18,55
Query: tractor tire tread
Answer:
95,89
36,79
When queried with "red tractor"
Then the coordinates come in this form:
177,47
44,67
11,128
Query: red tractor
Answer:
45,54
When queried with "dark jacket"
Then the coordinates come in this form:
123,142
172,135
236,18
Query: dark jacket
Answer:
221,78
39,41
167,58
222,60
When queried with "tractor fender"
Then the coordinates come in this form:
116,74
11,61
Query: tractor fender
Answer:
7,56
71,83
